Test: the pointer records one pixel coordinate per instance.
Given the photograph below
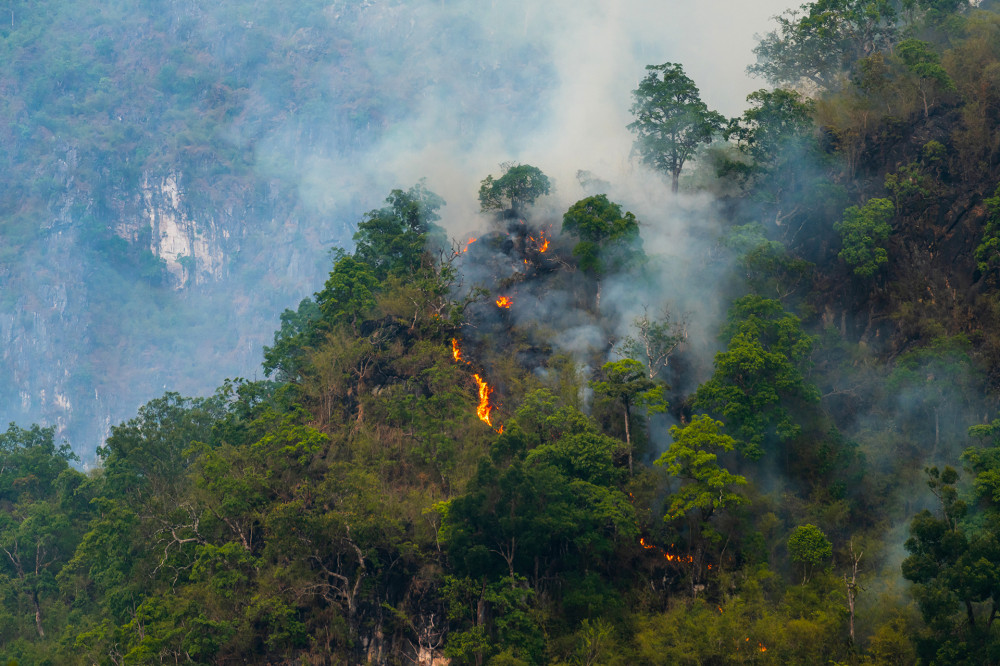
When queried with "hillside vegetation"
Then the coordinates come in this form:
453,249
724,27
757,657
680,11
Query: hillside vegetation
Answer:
513,448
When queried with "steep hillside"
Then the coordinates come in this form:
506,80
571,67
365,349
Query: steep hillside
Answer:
735,403
157,204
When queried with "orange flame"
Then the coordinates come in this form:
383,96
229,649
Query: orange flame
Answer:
504,302
669,557
483,410
455,351
471,241
762,647
545,243
499,430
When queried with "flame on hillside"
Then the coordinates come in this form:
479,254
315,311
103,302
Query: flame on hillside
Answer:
471,241
543,242
484,408
504,302
669,557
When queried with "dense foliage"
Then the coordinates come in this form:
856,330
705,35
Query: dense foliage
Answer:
434,473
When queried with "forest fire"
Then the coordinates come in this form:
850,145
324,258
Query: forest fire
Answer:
760,646
504,302
544,242
471,241
669,557
483,410
484,407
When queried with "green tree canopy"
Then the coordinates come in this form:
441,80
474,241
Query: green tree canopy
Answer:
671,121
924,64
393,239
776,138
864,232
988,250
954,564
759,376
808,546
349,292
626,383
821,40
692,457
608,240
517,187
774,120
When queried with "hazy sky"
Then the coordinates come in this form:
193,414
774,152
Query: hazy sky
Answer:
600,49
714,39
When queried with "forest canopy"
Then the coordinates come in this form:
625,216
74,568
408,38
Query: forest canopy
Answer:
527,447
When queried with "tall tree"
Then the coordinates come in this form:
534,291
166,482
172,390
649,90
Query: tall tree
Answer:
671,121
760,375
39,529
705,486
809,547
776,139
954,564
924,64
626,383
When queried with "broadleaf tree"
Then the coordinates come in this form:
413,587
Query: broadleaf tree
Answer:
518,187
671,121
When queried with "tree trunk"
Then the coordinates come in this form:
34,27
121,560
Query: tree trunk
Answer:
38,615
852,587
481,619
628,441
675,177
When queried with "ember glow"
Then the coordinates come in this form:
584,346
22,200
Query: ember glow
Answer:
669,557
483,410
504,302
471,241
543,242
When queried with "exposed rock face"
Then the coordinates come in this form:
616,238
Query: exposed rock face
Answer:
82,346
192,251
172,177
